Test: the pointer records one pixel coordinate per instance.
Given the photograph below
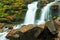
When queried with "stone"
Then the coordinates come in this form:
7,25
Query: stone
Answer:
58,20
14,34
42,26
1,30
27,27
31,34
30,31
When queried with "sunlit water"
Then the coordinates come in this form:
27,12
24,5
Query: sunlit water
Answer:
18,26
45,16
3,36
30,15
45,13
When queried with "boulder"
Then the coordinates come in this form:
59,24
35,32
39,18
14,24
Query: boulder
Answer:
27,32
27,27
31,34
14,35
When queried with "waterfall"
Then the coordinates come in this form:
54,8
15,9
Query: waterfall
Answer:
30,14
46,16
30,17
45,13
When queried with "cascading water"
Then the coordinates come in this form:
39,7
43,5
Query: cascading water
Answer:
30,15
46,16
3,35
45,13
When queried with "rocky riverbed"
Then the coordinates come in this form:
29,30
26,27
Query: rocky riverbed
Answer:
27,30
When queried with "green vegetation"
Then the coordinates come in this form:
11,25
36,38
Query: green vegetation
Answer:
12,10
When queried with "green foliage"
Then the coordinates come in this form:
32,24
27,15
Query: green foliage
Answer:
12,9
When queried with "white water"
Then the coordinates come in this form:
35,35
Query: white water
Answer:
30,15
45,13
18,26
3,36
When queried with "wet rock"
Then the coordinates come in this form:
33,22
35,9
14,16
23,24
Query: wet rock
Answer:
31,34
1,30
27,32
42,3
57,21
46,35
42,26
7,27
27,27
14,35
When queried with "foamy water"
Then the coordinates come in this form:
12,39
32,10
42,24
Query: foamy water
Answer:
45,13
30,14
